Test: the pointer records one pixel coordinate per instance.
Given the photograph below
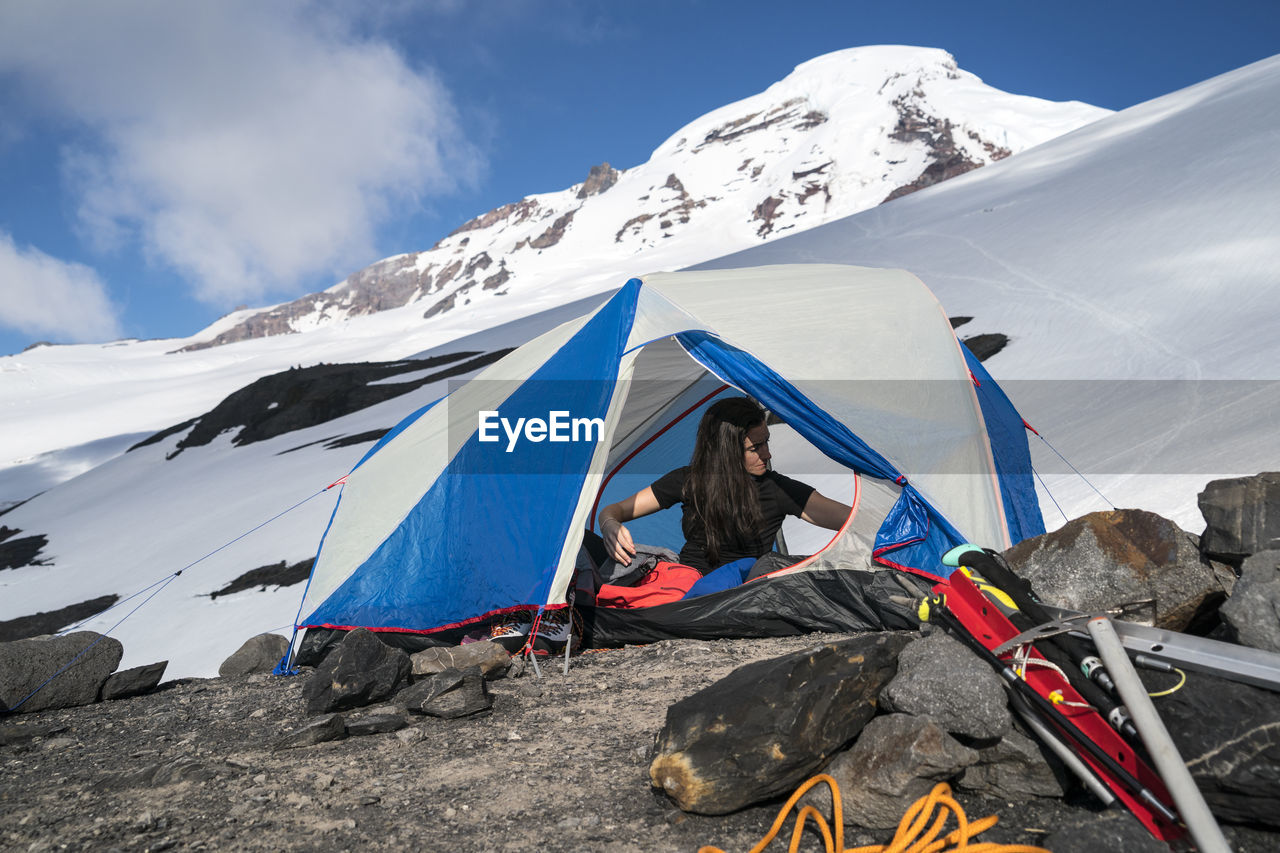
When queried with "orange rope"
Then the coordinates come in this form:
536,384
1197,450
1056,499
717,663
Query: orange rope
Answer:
906,840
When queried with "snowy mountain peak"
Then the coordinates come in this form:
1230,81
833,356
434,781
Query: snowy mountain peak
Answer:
842,133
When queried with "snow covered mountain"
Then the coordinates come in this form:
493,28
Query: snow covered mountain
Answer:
842,133
1138,247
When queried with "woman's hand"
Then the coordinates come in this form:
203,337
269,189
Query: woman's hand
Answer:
617,539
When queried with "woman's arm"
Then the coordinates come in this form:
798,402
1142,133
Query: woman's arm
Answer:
617,539
825,512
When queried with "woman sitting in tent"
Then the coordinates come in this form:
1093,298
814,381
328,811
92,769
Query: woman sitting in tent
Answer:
733,505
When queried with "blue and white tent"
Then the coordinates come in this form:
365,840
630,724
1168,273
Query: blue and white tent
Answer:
453,517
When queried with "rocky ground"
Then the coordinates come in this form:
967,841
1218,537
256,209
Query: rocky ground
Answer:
559,763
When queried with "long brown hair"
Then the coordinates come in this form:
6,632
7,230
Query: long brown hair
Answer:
718,489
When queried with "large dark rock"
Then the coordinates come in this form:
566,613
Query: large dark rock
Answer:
896,760
320,730
377,723
1014,768
1127,559
258,654
1229,735
493,659
361,670
26,664
1242,516
1253,610
761,730
449,694
134,682
939,678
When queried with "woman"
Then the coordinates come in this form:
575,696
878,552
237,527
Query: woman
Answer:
733,504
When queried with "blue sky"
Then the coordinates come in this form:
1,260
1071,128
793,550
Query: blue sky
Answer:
162,163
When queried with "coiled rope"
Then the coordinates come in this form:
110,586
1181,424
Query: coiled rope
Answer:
907,839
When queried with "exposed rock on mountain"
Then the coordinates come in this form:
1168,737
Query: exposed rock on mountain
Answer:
598,180
389,283
19,552
986,345
277,574
553,234
303,397
54,620
946,159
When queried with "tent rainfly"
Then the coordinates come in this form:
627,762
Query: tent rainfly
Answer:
476,504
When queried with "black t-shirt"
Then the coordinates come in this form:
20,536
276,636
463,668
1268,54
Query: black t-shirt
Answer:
779,497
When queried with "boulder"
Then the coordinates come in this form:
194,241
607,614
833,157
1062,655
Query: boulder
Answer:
1128,560
1253,610
320,730
258,654
1242,516
134,682
1014,768
450,694
377,723
1229,735
493,659
361,670
764,728
25,665
939,678
896,760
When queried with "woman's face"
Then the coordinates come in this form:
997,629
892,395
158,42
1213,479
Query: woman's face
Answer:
756,453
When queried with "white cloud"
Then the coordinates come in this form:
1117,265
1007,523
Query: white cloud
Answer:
248,145
44,297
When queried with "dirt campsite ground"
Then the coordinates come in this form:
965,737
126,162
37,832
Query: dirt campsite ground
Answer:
559,764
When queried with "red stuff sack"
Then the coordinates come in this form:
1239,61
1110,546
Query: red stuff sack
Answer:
667,582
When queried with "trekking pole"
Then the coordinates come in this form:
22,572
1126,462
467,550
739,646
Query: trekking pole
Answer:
1204,830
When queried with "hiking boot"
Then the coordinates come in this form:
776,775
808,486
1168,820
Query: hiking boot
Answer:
555,630
511,630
